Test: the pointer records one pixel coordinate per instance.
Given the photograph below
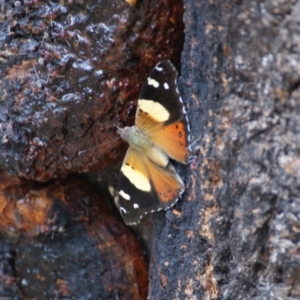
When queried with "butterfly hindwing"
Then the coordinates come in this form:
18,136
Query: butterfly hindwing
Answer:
167,184
174,140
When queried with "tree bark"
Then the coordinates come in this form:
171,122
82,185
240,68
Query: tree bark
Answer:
235,234
70,71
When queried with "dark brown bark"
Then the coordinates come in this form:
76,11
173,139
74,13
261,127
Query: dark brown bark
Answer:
235,234
69,73
61,240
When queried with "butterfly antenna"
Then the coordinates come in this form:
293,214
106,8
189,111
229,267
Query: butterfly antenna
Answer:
118,128
100,145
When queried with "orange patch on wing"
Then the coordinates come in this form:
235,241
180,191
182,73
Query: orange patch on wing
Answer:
167,183
173,140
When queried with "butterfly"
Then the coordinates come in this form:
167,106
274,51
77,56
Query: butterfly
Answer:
148,181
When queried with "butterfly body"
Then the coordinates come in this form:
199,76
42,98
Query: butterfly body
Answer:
139,141
135,137
148,181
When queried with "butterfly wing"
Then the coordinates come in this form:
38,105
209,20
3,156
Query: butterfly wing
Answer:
167,184
148,181
145,187
161,114
136,194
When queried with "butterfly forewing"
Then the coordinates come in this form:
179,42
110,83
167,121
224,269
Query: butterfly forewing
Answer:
167,184
164,119
160,95
137,196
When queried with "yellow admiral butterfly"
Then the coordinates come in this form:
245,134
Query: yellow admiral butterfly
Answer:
148,181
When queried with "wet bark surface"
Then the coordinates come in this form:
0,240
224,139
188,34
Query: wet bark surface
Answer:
235,234
69,73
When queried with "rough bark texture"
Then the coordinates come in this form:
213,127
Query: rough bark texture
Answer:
61,240
69,72
236,233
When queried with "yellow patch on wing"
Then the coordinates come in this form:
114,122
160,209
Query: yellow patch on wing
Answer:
154,109
135,170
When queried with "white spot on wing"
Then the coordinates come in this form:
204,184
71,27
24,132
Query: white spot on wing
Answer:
159,69
153,210
153,82
154,109
135,205
166,86
124,195
139,180
123,210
